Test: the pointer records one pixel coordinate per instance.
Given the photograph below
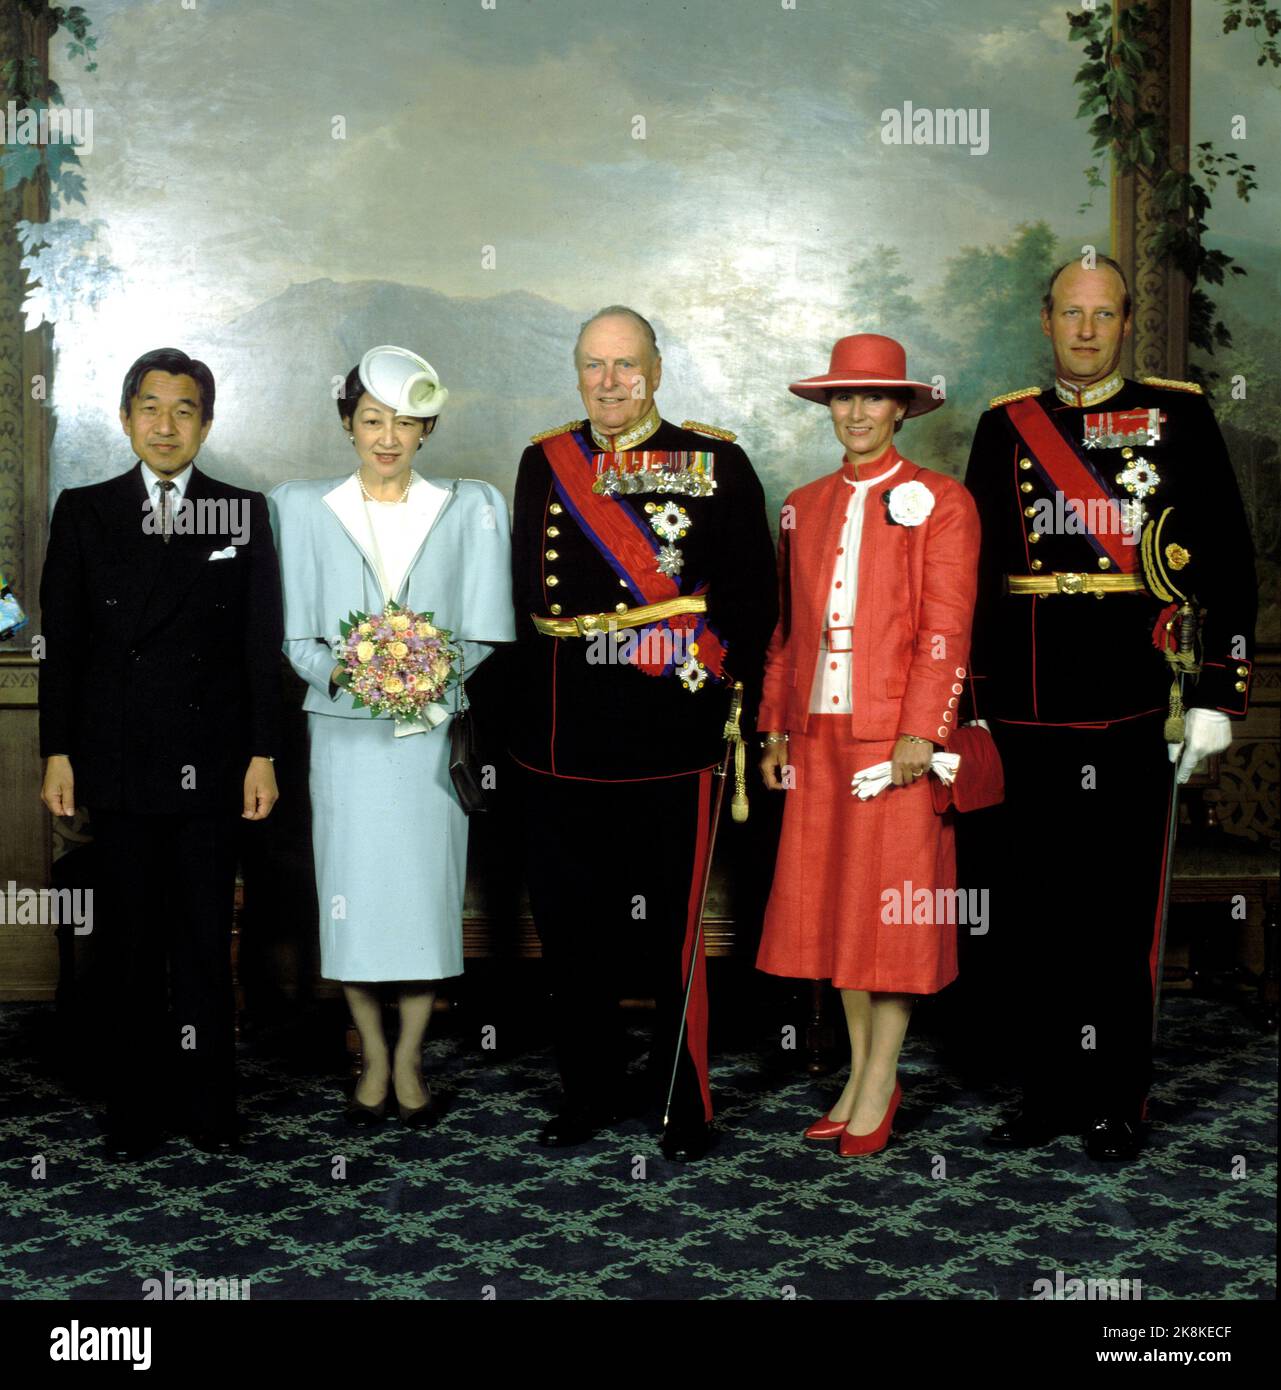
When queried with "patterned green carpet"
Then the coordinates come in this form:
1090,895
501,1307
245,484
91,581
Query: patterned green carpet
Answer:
474,1209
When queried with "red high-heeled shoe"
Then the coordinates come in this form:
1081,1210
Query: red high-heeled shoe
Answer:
825,1128
855,1144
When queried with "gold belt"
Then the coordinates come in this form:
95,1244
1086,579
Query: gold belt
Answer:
586,623
1099,584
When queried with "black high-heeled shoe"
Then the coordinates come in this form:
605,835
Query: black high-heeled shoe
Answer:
358,1114
419,1116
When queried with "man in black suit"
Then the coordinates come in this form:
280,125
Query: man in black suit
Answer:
627,522
159,711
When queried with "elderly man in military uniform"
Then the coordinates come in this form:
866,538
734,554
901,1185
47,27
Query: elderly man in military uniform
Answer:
645,589
1112,523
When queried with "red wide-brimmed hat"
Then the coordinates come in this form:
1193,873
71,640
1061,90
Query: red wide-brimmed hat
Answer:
865,360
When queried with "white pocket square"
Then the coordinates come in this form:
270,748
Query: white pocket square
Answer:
228,554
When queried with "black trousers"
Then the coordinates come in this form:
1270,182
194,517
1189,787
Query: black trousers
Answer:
1077,875
615,872
163,905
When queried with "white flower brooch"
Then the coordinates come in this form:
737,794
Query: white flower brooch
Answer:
909,503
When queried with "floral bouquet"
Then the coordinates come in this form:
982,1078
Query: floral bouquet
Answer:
397,663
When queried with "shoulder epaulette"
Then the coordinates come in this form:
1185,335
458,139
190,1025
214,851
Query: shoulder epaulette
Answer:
697,425
1014,396
1172,385
560,429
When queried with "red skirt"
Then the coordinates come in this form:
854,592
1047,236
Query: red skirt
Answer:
854,898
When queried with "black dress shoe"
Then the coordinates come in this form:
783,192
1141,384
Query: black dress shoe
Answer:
128,1146
1027,1129
686,1141
574,1124
1113,1139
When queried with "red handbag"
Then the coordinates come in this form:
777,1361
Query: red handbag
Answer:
980,778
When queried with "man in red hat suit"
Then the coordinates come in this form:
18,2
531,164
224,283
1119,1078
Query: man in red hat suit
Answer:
1109,509
643,580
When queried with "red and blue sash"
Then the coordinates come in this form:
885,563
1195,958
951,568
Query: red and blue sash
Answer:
629,547
1063,469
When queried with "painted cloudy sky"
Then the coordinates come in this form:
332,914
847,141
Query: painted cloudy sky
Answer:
761,176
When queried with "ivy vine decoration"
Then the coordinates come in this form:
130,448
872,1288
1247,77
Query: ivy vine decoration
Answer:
1116,58
62,271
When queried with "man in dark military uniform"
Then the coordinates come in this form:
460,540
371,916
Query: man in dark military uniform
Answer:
644,586
1107,505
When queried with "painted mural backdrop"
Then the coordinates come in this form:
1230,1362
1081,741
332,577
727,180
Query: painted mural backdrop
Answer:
276,188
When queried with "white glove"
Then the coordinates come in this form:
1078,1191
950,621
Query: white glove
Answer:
872,781
976,723
1205,732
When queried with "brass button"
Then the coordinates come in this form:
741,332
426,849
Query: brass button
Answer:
553,554
1029,511
551,581
1104,563
553,531
622,583
555,509
1240,687
651,507
555,609
1025,486
1243,670
1036,564
620,608
1025,464
1033,537
1120,477
1127,453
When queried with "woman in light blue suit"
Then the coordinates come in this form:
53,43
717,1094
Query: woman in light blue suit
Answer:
389,834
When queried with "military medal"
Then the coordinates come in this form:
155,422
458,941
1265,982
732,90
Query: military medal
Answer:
671,522
692,674
670,561
1110,429
686,473
1139,479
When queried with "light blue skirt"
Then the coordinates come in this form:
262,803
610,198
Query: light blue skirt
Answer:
390,842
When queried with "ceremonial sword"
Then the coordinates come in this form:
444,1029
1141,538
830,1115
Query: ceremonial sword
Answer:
1184,663
734,751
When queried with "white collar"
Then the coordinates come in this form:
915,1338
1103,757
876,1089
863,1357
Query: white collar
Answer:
867,482
348,505
151,481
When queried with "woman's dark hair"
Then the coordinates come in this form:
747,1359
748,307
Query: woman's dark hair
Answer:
176,363
352,390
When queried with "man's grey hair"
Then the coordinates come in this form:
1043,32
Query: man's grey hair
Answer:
615,311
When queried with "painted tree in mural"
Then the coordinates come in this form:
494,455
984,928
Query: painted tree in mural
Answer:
64,272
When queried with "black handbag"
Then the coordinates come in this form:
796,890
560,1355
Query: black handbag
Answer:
464,763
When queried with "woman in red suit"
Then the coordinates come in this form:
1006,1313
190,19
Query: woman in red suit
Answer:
877,565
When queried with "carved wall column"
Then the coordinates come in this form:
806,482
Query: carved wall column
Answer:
28,956
1158,345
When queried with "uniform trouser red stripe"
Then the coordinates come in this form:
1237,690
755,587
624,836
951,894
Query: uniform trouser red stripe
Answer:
615,873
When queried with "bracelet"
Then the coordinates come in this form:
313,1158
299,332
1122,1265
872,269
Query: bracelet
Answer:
770,740
912,738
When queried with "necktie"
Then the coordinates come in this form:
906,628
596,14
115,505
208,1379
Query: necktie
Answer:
166,510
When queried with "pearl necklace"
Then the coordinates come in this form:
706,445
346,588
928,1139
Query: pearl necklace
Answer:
365,493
